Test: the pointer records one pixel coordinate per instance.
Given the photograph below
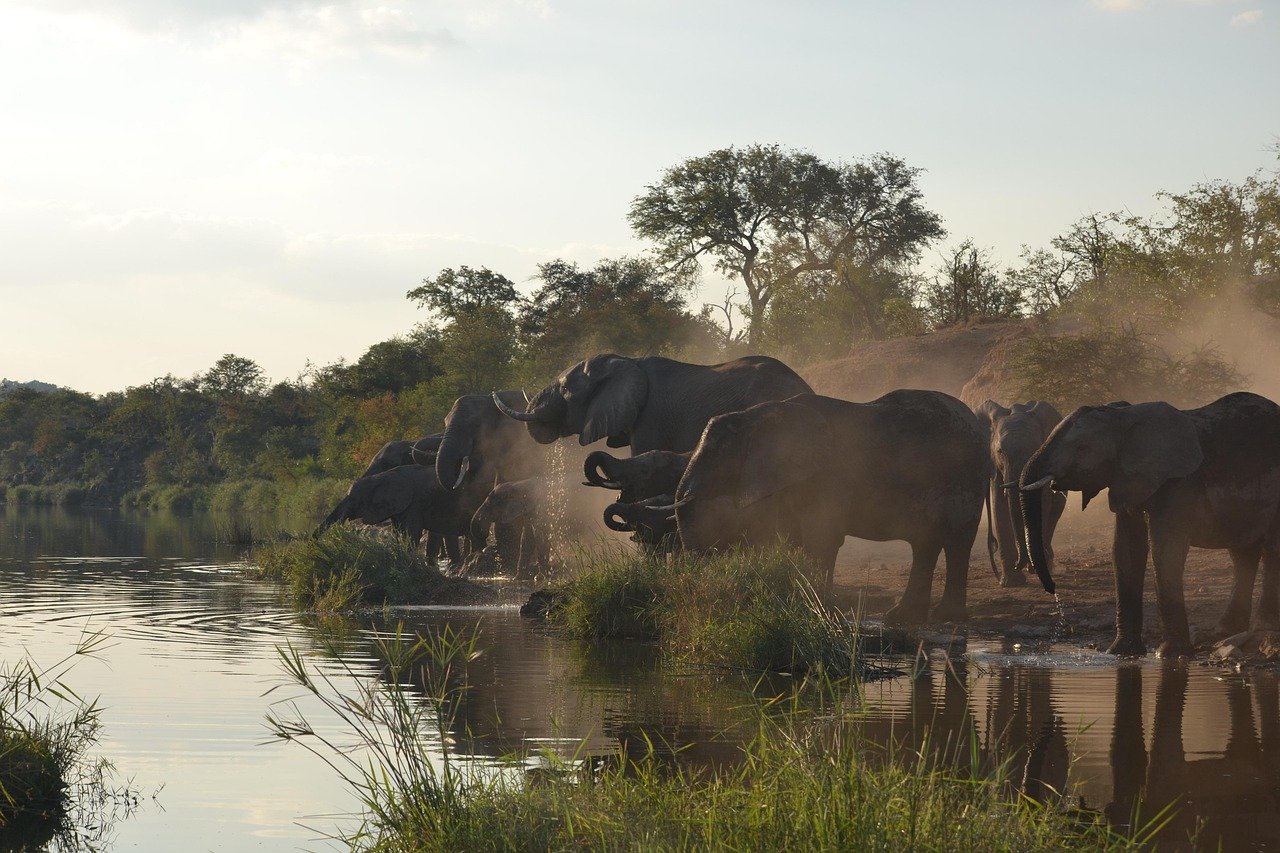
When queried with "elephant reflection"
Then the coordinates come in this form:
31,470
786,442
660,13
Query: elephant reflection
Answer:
1231,800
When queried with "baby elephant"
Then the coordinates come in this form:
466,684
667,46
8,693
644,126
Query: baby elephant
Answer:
1208,477
1014,435
514,511
644,482
411,499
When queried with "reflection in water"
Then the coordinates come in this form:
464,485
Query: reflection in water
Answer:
194,671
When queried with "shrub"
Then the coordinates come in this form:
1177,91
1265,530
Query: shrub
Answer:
746,609
347,565
1116,364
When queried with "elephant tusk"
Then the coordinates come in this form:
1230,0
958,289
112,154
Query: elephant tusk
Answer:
462,471
1012,484
684,500
525,394
524,417
1038,484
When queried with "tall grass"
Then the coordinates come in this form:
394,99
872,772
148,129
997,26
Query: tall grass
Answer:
746,609
347,566
805,781
61,494
306,499
45,729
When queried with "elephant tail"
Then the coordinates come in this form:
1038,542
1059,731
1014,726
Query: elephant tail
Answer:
991,533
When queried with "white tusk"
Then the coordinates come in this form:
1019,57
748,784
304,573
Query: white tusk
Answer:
684,500
1038,484
462,472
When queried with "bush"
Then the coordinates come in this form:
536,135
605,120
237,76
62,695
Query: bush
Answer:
346,566
1109,364
747,609
60,494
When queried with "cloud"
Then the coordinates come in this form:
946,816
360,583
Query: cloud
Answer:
1244,19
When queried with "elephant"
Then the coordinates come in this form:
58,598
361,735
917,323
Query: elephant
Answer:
396,453
521,532
480,447
412,499
645,475
651,521
650,403
644,482
910,465
1015,434
1208,477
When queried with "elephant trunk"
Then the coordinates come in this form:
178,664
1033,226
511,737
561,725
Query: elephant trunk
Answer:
615,520
480,524
596,472
453,460
1032,500
338,514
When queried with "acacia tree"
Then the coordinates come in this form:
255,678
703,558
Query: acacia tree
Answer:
968,284
768,214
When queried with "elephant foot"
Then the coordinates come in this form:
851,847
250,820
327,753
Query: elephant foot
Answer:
903,614
950,611
1174,649
1127,647
1012,579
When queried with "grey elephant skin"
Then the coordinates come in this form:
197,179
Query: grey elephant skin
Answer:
411,499
1014,435
645,483
808,471
1208,477
514,512
396,453
480,447
650,403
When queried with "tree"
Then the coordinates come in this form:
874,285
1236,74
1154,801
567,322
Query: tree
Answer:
769,215
233,376
967,285
1046,279
455,293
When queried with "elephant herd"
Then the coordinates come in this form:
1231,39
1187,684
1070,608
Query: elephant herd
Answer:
744,453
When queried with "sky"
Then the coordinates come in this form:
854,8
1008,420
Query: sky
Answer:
181,179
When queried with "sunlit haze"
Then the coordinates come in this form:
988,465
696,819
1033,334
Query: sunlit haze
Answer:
269,177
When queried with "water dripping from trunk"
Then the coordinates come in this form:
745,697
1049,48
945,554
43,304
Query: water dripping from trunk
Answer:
1063,628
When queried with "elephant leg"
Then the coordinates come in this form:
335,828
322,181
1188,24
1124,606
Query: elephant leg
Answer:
453,549
1169,545
433,547
914,606
1129,551
952,607
1008,523
1245,563
1269,603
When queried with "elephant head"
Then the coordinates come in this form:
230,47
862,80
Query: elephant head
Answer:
651,519
769,453
1131,450
598,398
656,472
479,445
383,496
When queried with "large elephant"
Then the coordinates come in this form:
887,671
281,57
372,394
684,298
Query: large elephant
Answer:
650,403
811,470
515,512
396,453
411,499
1208,477
1014,435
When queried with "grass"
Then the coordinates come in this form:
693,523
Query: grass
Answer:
61,494
308,498
347,566
45,729
750,610
805,781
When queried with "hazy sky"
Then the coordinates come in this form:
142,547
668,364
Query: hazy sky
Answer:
185,178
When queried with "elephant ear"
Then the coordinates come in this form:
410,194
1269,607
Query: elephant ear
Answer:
389,493
1159,443
988,413
619,390
789,444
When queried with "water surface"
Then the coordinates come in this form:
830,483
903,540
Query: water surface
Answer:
191,671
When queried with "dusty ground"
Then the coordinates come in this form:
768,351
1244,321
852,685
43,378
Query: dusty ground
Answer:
1085,584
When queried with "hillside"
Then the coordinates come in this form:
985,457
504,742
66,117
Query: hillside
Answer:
8,386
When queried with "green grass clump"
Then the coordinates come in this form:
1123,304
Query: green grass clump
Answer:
60,494
746,609
45,729
806,781
347,566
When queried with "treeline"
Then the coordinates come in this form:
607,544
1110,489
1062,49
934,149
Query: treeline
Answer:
823,255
